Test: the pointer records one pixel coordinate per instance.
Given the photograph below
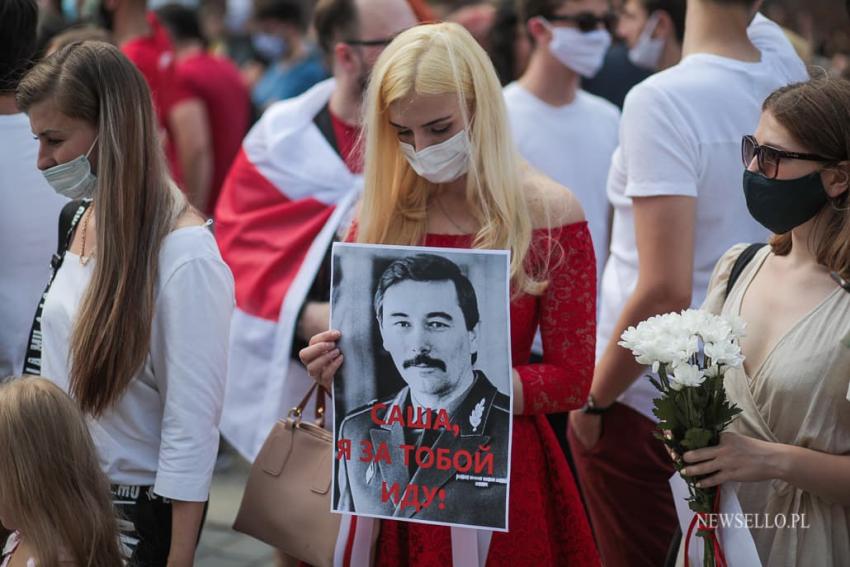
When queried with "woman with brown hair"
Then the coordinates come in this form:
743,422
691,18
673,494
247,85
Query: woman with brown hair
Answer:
135,322
790,448
52,491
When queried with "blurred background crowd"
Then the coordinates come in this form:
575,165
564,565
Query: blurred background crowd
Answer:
233,58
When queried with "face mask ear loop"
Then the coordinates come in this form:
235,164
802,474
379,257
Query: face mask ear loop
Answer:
547,24
844,195
836,208
88,153
651,25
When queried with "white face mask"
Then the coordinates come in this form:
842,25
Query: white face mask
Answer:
440,163
73,179
648,50
582,52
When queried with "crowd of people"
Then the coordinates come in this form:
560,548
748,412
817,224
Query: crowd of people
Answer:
173,179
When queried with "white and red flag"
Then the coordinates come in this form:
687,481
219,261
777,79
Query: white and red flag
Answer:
285,197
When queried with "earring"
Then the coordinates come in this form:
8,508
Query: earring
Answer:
833,201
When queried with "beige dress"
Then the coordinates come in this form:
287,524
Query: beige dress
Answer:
799,396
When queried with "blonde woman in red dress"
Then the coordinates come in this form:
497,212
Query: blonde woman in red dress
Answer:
441,170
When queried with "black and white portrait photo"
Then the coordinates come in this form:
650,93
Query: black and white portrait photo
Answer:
422,402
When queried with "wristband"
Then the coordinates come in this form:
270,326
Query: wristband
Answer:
591,408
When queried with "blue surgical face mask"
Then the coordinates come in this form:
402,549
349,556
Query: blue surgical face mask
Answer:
73,179
269,46
69,11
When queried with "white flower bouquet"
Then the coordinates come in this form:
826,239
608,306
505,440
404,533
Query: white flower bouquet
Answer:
690,352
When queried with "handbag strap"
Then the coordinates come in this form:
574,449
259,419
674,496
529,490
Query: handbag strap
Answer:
298,411
320,406
68,219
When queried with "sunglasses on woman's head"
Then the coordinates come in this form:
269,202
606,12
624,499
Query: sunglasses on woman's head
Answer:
587,21
768,158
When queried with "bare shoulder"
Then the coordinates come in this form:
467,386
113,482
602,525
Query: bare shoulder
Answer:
190,218
550,204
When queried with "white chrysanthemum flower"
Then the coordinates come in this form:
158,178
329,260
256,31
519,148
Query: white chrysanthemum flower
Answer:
726,353
737,324
687,375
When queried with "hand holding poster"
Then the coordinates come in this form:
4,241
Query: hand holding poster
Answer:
422,423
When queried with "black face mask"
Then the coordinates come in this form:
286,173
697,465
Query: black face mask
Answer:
782,204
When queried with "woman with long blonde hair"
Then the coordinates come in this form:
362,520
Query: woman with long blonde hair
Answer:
134,324
441,170
52,491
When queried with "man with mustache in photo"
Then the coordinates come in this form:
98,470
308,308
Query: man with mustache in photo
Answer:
428,317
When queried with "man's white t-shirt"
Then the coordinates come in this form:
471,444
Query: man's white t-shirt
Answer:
681,135
29,220
573,145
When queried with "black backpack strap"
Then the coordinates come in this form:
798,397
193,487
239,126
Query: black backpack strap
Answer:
741,262
68,219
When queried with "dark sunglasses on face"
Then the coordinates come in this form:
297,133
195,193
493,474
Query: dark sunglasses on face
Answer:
768,158
587,21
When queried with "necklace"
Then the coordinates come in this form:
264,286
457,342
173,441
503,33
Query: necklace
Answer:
83,258
448,216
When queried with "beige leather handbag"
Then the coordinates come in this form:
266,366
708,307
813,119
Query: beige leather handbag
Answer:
287,500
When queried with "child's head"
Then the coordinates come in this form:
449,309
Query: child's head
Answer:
51,485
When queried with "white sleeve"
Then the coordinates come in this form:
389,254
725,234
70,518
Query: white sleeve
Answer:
660,152
769,37
189,341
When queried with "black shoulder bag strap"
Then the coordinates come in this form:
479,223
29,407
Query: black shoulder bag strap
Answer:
68,219
741,262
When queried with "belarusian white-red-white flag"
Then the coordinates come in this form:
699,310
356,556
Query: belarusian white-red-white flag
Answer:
285,197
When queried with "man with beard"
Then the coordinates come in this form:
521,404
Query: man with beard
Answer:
287,196
428,316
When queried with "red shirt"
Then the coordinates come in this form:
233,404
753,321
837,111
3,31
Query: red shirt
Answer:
217,82
153,55
346,141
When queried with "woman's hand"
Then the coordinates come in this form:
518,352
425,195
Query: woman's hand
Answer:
322,358
736,458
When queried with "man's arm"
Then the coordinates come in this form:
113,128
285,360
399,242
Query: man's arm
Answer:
193,142
664,230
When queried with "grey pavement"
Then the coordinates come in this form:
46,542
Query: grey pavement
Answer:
220,546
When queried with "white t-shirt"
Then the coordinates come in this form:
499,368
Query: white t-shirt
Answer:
29,220
573,145
163,431
681,135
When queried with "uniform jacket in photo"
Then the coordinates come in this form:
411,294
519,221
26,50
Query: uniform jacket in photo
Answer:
476,499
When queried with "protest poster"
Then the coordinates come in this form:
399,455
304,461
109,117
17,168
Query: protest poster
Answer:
422,402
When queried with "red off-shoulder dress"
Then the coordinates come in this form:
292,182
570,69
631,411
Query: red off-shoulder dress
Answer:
547,522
